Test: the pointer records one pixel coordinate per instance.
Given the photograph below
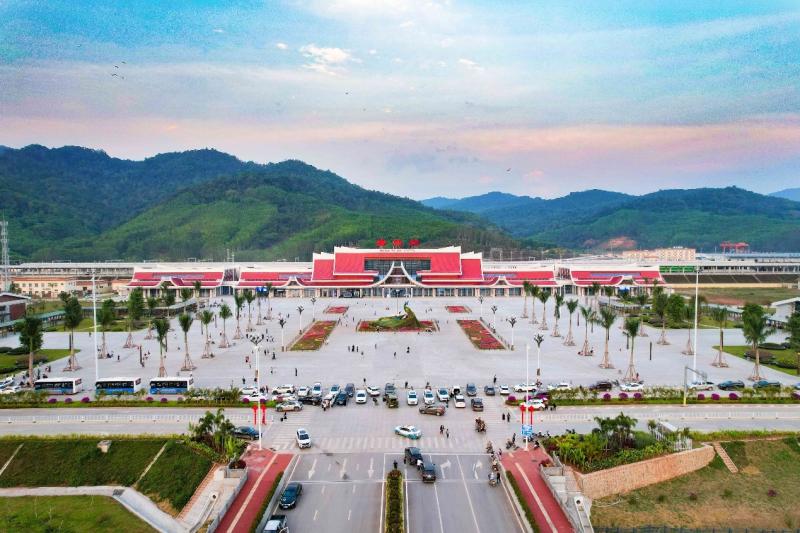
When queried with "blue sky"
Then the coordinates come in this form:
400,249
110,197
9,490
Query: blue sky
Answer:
424,97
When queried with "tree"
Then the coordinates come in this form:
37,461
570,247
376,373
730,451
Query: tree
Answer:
609,292
268,292
152,304
197,286
606,319
559,301
206,317
526,290
535,290
224,314
135,311
249,297
108,313
238,301
572,305
64,297
185,320
631,330
30,336
213,429
169,300
588,315
544,295
73,315
642,299
596,294
660,301
756,330
720,316
793,327
162,330
186,295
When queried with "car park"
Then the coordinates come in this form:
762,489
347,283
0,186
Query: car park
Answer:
289,406
601,386
245,432
459,400
341,398
350,389
701,385
290,495
731,384
411,397
561,386
361,396
373,391
411,432
428,398
442,394
504,390
438,409
283,389
413,456
316,390
302,438
277,523
489,390
477,404
763,384
428,471
472,390
631,386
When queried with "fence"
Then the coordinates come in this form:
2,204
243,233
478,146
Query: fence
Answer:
124,418
218,519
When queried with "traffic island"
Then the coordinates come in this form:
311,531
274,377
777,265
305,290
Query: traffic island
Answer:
393,510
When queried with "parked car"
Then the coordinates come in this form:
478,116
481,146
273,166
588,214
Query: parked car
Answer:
477,404
246,433
631,386
472,390
289,406
248,391
731,384
302,392
373,391
413,456
460,402
14,389
797,386
361,396
303,438
489,390
601,386
316,389
428,398
455,389
536,403
252,398
283,397
341,398
412,432
276,524
350,389
388,389
411,397
334,390
437,409
561,386
391,400
766,384
442,394
504,390
701,385
310,400
522,387
283,389
428,470
290,495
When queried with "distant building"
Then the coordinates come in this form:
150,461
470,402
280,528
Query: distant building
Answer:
12,306
678,253
45,286
785,308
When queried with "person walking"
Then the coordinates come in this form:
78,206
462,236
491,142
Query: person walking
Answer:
295,372
447,432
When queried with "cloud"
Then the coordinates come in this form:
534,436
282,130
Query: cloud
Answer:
281,46
373,52
326,60
470,65
218,30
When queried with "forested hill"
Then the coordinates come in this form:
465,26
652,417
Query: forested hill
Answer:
80,204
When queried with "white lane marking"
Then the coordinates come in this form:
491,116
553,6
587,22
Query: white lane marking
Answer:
438,508
311,470
371,470
349,512
316,512
342,472
469,499
323,490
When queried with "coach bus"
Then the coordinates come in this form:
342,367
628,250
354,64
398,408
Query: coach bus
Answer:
59,385
177,385
118,385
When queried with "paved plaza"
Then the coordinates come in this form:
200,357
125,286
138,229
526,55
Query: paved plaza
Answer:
445,357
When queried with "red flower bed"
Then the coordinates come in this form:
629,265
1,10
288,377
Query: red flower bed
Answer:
314,336
370,326
336,309
481,337
457,308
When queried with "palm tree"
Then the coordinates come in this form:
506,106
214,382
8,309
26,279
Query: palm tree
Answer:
268,287
631,330
544,295
169,300
282,324
249,297
152,303
224,314
756,330
135,310
720,316
596,294
186,295
535,291
30,336
588,315
572,305
197,286
107,316
660,301
206,317
609,292
185,320
73,315
238,300
606,321
259,297
642,300
793,327
162,330
526,290
559,301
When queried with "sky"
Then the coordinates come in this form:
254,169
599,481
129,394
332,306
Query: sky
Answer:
421,97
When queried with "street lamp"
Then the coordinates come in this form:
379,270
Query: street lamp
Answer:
313,308
480,299
300,310
494,317
538,339
282,323
512,321
94,328
255,340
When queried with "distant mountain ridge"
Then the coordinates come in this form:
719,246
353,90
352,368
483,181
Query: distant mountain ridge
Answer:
788,194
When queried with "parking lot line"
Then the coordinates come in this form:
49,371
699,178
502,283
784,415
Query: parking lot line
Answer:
438,508
469,499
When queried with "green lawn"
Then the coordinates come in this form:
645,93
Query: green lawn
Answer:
75,462
712,497
174,477
87,324
740,296
68,514
6,450
787,359
8,363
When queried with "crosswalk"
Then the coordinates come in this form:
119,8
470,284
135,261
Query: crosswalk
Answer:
372,444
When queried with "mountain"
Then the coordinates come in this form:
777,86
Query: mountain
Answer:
788,194
81,204
439,202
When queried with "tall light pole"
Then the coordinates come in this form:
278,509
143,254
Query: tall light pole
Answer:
255,340
513,322
696,306
494,317
300,310
282,323
313,308
480,299
94,327
538,339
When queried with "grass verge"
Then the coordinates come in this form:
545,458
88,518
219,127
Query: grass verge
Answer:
393,519
68,514
175,476
782,360
11,364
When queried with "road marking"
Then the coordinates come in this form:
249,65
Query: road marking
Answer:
477,466
354,488
311,470
349,512
438,508
446,464
536,498
342,472
323,489
315,514
371,471
469,499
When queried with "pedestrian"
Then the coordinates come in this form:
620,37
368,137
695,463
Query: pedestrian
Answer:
406,384
508,417
441,429
243,380
503,416
447,432
395,355
513,438
494,380
395,465
295,372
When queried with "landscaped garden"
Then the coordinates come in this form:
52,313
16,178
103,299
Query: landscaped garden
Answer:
394,502
336,309
174,477
68,514
457,308
14,360
399,323
314,337
774,356
763,495
479,336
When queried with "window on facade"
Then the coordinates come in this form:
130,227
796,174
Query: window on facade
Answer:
411,265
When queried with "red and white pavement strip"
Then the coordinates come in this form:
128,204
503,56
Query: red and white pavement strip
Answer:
263,467
524,466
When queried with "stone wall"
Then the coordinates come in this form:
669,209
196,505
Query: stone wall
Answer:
636,475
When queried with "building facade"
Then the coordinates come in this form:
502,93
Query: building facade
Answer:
678,253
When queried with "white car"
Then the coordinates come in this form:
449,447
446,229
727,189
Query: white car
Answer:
460,402
334,390
302,392
316,390
303,438
428,398
373,391
537,403
249,391
289,406
411,432
564,386
285,397
442,395
522,387
411,398
283,389
361,396
255,397
701,385
632,386
504,390
11,389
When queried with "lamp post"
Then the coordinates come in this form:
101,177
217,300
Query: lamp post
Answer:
696,302
480,300
255,340
494,317
313,308
282,323
94,328
300,310
512,321
538,339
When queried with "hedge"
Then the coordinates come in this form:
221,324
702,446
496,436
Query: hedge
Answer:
394,503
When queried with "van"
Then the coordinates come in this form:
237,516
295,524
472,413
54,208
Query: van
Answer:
455,389
391,400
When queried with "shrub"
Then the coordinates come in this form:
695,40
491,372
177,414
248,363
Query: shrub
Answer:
85,399
661,498
149,399
733,396
245,400
623,395
521,499
20,350
68,400
632,499
164,400
772,493
394,502
701,396
727,493
606,397
715,396
637,396
5,349
693,496
52,400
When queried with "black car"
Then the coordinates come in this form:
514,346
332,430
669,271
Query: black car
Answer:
388,389
602,386
428,470
413,456
350,389
246,433
767,384
477,404
310,400
472,390
488,390
290,495
734,384
341,398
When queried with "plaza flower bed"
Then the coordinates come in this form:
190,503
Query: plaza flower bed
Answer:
315,336
336,309
371,326
667,395
480,337
457,309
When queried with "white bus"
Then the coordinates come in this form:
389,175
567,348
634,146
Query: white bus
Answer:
118,385
171,385
59,385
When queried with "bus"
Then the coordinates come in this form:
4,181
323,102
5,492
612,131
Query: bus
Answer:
118,385
59,385
168,385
